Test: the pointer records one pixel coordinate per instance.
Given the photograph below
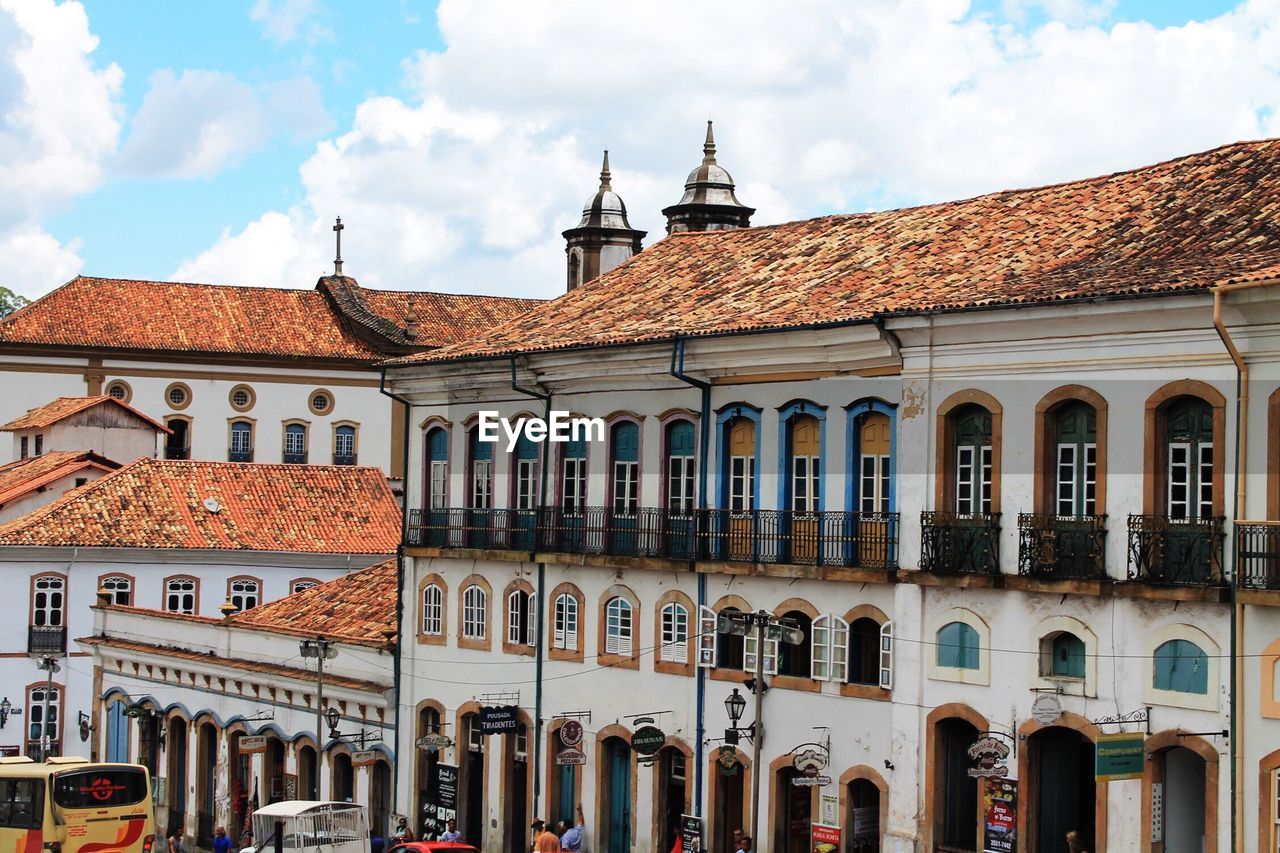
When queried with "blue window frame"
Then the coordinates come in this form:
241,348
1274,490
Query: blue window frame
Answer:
1068,656
241,449
573,475
437,496
480,457
870,475
295,444
958,646
738,464
681,470
526,473
1181,666
344,445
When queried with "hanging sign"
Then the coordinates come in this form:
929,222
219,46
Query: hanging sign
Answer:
1157,812
364,759
810,762
728,760
648,740
571,733
1046,710
826,839
1000,816
829,809
250,744
499,719
810,781
1120,755
690,833
434,742
569,756
989,753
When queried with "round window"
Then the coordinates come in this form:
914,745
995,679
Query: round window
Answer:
241,398
321,402
119,391
178,395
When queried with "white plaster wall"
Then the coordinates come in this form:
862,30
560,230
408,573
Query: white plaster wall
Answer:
51,492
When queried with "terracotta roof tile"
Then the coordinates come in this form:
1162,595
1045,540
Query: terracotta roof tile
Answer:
446,318
26,475
358,607
155,503
1180,225
64,407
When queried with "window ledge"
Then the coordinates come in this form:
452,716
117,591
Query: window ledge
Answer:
866,691
573,655
482,645
518,649
618,661
431,639
725,674
796,682
672,667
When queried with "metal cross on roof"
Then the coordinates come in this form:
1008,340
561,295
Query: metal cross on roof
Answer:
337,261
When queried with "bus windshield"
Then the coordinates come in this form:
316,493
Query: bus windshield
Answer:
99,788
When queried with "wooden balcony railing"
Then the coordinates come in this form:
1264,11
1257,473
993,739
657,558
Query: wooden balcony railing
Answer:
1177,551
864,540
1056,547
1257,555
960,544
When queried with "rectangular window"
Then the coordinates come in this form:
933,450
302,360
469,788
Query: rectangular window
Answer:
43,732
520,619
964,480
873,483
527,484
1179,480
240,441
1205,509
804,483
244,594
295,442
1066,480
573,484
39,445
21,803
618,629
742,483
439,484
481,483
1090,479
474,604
180,595
986,480
565,635
626,488
344,443
23,451
680,480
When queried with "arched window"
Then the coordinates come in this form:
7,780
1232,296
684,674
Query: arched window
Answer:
675,634
40,726
295,444
432,610
619,627
1181,666
117,733
830,655
344,445
625,447
1075,460
971,436
875,463
480,459
243,593
730,648
120,588
302,584
864,651
180,594
958,646
741,464
526,473
681,471
437,468
1062,656
795,659
48,601
565,628
804,464
241,449
475,607
573,475
1188,423
520,618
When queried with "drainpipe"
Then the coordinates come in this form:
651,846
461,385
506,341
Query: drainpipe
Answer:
1239,506
704,446
395,652
542,579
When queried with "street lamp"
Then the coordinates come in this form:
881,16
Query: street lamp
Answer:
332,717
322,650
734,706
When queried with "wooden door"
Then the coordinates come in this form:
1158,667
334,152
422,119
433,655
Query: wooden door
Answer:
742,489
873,490
803,483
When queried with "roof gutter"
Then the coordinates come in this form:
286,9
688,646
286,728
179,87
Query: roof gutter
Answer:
1237,607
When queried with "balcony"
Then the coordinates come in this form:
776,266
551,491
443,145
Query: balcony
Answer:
295,458
344,459
173,451
960,544
1258,555
846,539
235,454
46,639
1176,551
1056,547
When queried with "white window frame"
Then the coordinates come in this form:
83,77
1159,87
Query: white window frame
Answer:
626,488
295,439
680,484
432,610
573,484
674,646
116,584
35,712
482,484
742,484
241,437
805,484
475,606
619,626
526,484
181,588
244,590
707,622
565,629
49,601
873,483
517,599
439,498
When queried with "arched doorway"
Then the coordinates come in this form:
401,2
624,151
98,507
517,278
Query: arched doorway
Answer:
380,798
176,753
472,783
343,777
1061,763
426,777
308,777
1185,767
729,782
206,782
615,795
955,792
792,812
239,784
273,771
862,817
670,801
516,788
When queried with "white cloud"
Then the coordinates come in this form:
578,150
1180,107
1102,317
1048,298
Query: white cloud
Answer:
196,124
283,21
34,260
820,106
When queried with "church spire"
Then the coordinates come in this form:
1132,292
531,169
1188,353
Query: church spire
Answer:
709,202
709,147
604,237
605,176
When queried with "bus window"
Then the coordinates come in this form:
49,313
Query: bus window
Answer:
100,788
21,803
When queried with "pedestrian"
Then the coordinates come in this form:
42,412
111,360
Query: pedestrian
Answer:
451,834
175,841
246,839
221,843
745,844
544,840
402,833
1074,843
571,836
737,839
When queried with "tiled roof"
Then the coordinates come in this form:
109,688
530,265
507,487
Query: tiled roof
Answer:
162,316
154,503
358,607
25,475
295,673
1181,225
64,407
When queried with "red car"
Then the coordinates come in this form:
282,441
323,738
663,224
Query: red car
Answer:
433,847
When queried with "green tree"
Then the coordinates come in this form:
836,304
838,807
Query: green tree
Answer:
10,302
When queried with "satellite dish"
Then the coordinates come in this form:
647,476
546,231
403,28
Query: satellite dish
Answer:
212,505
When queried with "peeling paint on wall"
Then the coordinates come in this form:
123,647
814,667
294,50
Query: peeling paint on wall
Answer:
914,395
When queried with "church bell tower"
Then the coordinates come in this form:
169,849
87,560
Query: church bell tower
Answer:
709,203
604,238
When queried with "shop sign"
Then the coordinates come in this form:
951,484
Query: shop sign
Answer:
728,761
1000,816
363,759
437,813
1120,755
571,756
810,781
499,719
828,809
291,786
690,833
648,740
571,733
826,839
250,744
434,742
811,762
866,824
989,753
1046,710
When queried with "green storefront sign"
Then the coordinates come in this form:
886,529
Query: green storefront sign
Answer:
1120,756
648,740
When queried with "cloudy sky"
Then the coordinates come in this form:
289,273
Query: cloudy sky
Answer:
217,141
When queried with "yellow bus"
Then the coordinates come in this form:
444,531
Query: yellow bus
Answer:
69,805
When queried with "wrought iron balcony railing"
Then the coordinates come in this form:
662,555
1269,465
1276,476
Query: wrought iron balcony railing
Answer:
172,451
1181,551
235,454
865,540
1257,555
344,459
1058,547
295,458
960,544
46,639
